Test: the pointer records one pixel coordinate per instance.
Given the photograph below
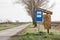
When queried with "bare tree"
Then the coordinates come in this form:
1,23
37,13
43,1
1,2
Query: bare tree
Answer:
32,5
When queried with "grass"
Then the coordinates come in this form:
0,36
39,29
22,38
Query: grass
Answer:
31,33
7,26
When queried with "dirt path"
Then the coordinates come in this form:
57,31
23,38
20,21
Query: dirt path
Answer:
6,34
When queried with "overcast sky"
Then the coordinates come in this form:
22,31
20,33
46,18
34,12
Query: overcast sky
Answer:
11,11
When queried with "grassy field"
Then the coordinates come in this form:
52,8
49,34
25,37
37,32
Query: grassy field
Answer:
7,26
31,33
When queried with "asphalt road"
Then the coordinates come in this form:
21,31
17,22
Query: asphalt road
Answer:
6,34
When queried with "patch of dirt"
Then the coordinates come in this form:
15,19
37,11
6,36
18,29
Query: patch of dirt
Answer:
56,28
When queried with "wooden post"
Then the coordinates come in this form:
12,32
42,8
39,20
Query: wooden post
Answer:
48,31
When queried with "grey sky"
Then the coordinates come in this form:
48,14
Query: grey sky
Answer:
11,11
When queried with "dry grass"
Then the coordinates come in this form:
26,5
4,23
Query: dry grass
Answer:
7,26
31,33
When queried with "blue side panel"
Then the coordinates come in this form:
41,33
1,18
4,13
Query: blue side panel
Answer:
39,15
